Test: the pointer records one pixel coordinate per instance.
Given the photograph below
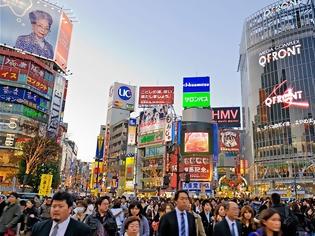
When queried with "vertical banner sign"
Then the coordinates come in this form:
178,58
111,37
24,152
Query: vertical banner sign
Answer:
99,148
168,129
132,130
196,92
130,163
45,185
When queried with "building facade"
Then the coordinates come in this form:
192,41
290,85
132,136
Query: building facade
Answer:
277,61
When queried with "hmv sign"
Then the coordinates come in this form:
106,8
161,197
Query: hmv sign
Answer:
227,117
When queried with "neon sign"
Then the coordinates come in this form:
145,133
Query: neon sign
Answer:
288,98
285,5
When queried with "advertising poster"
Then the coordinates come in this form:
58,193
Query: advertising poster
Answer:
36,27
196,92
229,141
152,96
199,167
153,119
168,128
196,142
150,139
45,185
99,148
130,164
227,117
132,131
122,96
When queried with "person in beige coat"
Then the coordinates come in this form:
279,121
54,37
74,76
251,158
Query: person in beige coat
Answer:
200,231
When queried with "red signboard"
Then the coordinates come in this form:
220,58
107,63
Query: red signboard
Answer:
16,63
38,83
229,141
151,96
9,74
199,168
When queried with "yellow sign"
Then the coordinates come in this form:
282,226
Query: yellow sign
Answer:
45,185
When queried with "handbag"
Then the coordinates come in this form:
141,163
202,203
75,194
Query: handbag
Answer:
9,232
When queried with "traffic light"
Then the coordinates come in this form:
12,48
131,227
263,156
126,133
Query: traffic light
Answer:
166,180
187,178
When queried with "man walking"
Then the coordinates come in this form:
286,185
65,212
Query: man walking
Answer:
178,222
206,217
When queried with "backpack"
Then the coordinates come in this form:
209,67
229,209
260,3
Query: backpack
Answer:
290,221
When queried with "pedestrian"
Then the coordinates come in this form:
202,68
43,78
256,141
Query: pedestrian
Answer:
229,225
206,217
157,218
200,231
61,224
178,222
2,203
289,221
44,210
169,207
90,206
103,215
30,218
270,222
247,220
132,226
219,214
135,209
80,211
11,215
118,213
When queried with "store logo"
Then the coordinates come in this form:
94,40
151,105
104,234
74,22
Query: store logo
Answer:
281,7
196,84
288,98
229,139
124,93
279,52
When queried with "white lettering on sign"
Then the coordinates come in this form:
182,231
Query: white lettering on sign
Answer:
168,129
197,160
279,52
288,98
196,99
287,124
9,141
281,7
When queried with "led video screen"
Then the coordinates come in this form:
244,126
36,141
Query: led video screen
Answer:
196,142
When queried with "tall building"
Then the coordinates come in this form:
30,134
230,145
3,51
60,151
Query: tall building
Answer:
33,85
277,61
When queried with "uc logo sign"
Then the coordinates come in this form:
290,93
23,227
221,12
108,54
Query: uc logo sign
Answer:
124,93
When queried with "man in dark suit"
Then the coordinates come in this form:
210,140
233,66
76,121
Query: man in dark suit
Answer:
229,226
61,224
178,222
206,217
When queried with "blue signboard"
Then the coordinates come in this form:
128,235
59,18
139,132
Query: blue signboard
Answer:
196,84
23,96
132,121
99,148
196,186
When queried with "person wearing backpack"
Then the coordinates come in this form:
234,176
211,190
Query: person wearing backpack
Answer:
288,220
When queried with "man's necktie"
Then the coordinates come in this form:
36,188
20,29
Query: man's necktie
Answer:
233,230
55,230
182,227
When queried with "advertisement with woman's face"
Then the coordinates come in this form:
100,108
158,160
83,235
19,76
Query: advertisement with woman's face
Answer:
31,26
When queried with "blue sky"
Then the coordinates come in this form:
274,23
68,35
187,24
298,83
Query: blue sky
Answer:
146,42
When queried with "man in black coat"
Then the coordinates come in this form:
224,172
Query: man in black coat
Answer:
206,217
178,222
229,226
61,223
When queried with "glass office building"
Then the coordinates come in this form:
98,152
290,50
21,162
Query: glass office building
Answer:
277,68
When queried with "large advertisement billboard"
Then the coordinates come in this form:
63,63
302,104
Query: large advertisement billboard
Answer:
157,95
122,96
199,167
132,131
37,27
153,119
196,92
229,141
227,116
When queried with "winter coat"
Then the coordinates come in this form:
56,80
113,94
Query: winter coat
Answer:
10,217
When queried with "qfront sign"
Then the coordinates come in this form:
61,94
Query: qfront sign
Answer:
279,52
287,99
285,5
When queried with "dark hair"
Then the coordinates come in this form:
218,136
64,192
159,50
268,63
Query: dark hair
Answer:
117,203
204,202
131,219
82,203
267,214
32,201
178,192
100,200
123,197
35,15
249,209
275,198
23,203
63,196
14,194
133,205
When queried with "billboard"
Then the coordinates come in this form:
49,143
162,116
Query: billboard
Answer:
132,131
227,116
19,124
130,164
99,148
23,96
122,96
229,141
157,95
199,167
196,92
151,139
196,142
36,27
168,128
153,119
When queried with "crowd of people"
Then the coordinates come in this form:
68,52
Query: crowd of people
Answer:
183,216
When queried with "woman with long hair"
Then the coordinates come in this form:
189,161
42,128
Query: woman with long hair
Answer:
219,214
135,209
247,220
270,222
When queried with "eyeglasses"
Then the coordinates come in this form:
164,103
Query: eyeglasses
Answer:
45,28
